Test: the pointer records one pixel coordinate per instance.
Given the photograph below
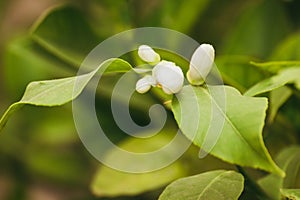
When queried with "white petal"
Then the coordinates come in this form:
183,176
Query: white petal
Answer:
201,64
147,54
144,84
168,76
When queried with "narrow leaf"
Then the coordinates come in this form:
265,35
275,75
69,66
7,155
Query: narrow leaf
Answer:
60,91
289,75
275,66
277,98
220,184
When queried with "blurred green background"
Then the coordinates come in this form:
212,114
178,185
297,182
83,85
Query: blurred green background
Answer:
41,156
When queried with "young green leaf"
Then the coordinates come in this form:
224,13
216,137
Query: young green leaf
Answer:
289,161
277,98
291,194
202,113
60,91
219,184
289,75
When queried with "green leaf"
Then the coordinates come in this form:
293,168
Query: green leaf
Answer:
23,56
181,16
237,71
291,194
238,119
60,91
255,34
111,17
289,161
173,14
220,184
109,182
65,33
54,164
277,98
289,75
275,66
288,49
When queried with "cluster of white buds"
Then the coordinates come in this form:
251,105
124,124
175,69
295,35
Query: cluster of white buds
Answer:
170,77
165,74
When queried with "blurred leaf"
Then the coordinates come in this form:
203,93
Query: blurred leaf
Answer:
291,194
275,66
279,94
56,164
220,184
289,75
289,160
195,110
288,49
64,32
182,15
55,127
60,91
255,33
237,71
277,98
110,182
291,111
119,14
23,56
275,134
178,15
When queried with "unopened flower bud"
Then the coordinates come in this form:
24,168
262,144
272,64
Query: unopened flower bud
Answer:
147,54
144,84
201,64
168,76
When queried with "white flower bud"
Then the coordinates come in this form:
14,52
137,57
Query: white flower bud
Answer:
168,76
144,84
147,54
201,64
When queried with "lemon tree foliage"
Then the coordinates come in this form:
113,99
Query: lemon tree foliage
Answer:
60,91
289,161
256,109
111,182
220,184
240,119
290,75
